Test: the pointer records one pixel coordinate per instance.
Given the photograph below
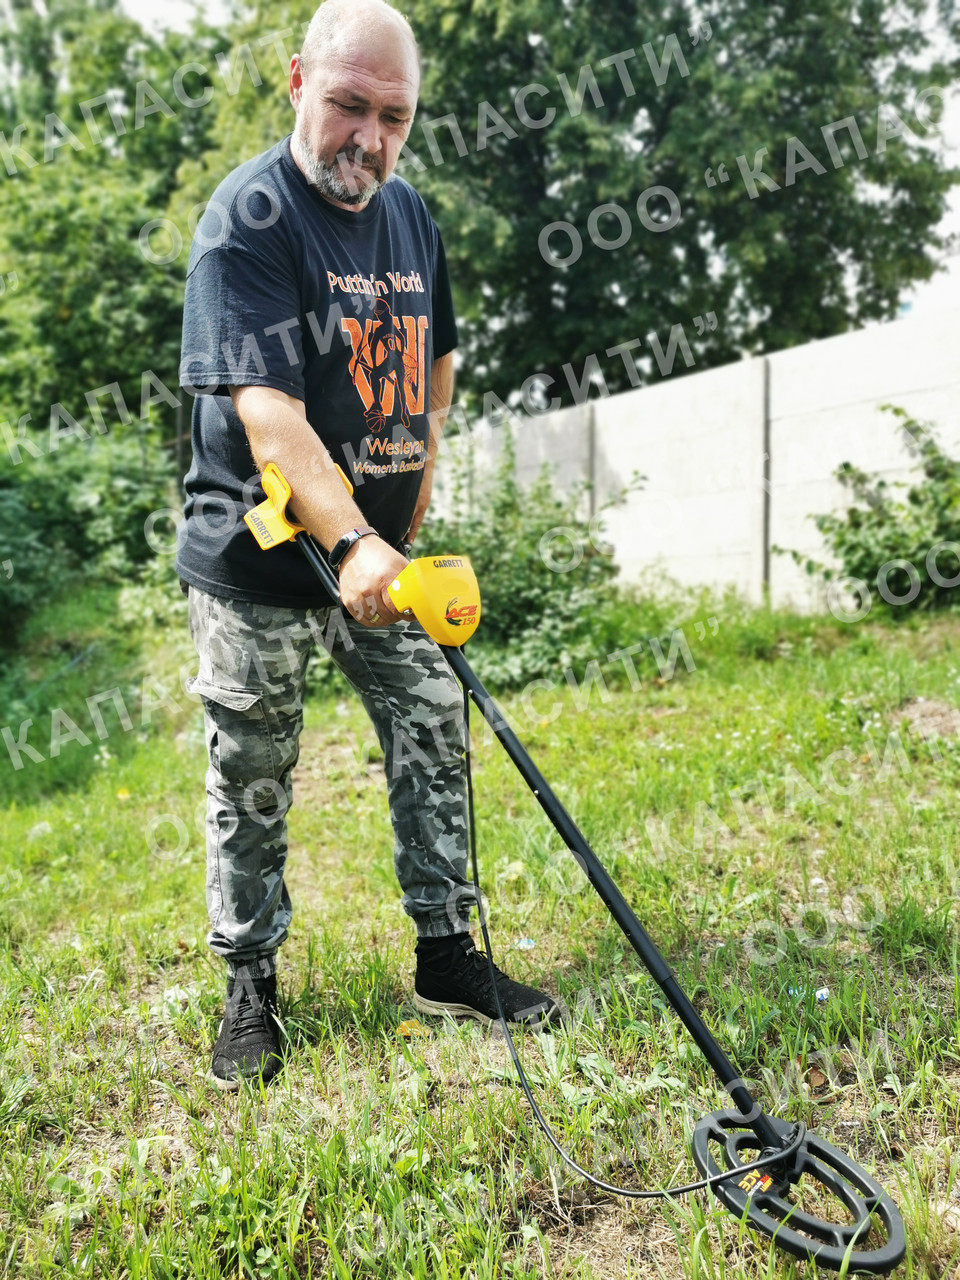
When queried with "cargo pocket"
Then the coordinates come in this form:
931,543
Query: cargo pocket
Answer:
238,740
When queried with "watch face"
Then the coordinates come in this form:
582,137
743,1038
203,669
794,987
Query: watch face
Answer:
340,549
343,545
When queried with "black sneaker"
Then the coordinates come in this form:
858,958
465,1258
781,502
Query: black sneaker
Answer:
454,977
248,1045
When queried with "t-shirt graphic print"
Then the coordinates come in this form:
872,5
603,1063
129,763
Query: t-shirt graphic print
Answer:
388,365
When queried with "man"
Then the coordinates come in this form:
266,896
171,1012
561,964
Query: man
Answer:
319,329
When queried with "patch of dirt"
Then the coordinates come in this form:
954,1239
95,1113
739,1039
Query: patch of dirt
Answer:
928,639
333,770
928,718
604,1236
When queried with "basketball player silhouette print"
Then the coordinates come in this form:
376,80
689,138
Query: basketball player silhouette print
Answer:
385,371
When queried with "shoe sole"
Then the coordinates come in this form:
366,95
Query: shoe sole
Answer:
440,1008
225,1086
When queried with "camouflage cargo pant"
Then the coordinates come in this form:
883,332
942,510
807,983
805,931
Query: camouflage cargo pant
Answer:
253,658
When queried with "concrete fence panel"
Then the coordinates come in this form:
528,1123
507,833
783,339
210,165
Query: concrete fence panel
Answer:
825,400
736,460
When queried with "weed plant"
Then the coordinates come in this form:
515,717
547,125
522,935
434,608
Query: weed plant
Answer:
907,546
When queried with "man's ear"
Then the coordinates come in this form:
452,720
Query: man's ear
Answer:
296,81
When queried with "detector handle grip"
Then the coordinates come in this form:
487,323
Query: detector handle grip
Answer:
268,522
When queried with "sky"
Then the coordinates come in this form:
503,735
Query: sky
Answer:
939,294
159,15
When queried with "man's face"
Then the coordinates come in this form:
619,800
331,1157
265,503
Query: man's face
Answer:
354,112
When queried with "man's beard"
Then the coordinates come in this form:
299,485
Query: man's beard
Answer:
329,179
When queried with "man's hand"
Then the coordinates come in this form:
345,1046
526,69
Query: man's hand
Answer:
423,501
366,572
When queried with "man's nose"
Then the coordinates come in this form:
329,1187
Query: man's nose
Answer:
367,133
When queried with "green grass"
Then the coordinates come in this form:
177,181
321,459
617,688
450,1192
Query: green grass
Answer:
374,1156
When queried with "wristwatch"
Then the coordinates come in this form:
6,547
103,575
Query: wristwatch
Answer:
343,545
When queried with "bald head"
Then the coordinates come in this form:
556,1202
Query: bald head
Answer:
339,27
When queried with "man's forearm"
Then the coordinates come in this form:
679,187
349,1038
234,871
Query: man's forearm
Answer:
278,432
441,397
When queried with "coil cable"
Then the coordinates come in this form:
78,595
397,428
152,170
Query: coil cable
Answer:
660,1193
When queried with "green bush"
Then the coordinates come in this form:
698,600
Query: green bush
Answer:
882,531
75,517
546,588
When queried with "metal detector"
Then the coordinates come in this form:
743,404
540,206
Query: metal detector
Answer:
807,1196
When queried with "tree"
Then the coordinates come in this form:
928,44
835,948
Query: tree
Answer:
83,308
251,117
770,167
826,241
78,183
